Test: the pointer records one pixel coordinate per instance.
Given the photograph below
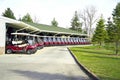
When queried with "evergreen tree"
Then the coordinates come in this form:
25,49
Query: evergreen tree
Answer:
116,27
27,18
19,19
110,30
76,25
100,32
8,13
54,22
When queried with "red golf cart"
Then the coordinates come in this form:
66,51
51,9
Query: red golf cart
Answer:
21,42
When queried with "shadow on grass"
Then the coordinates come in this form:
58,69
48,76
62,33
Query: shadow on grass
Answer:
34,75
88,51
104,57
108,78
98,54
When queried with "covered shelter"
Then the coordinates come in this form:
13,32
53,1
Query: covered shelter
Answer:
8,26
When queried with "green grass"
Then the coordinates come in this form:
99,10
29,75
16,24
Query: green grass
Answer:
100,61
111,46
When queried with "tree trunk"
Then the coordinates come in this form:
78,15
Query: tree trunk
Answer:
100,44
116,47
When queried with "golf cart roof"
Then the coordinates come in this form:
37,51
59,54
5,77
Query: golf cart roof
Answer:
25,34
22,34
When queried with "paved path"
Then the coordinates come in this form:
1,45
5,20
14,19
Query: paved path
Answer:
50,63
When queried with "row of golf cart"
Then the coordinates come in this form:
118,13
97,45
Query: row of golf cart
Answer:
29,43
53,41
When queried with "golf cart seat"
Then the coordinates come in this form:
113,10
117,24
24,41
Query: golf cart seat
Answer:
16,42
22,45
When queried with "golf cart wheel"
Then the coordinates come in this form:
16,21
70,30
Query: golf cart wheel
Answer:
28,52
9,51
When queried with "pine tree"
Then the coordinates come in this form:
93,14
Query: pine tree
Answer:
54,22
116,22
27,18
19,19
76,25
8,13
100,32
110,30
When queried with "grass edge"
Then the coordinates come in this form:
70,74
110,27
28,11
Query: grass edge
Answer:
87,71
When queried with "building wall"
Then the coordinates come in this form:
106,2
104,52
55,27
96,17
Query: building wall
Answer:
2,36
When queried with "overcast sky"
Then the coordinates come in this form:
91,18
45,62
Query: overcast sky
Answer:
62,10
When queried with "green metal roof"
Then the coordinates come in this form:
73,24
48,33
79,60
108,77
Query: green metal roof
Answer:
40,27
48,28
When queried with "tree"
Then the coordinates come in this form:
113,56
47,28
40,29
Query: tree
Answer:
110,30
19,19
100,32
116,27
89,18
8,13
36,20
27,18
54,22
76,25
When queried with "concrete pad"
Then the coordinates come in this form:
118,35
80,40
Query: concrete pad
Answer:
49,63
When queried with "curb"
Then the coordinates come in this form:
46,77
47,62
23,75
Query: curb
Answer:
90,74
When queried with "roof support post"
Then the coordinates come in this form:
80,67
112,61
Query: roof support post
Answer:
2,37
35,31
56,34
38,32
21,29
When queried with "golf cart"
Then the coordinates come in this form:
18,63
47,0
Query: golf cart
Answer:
21,42
39,42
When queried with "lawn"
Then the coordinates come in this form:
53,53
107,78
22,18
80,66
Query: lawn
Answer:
100,61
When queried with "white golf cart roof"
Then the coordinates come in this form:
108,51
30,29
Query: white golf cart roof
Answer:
22,34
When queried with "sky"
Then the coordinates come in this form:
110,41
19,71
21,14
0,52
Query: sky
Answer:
62,10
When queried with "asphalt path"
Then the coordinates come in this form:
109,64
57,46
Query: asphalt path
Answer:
49,63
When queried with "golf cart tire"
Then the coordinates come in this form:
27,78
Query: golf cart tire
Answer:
29,52
8,51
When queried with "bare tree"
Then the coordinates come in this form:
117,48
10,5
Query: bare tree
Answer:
89,18
84,18
35,20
